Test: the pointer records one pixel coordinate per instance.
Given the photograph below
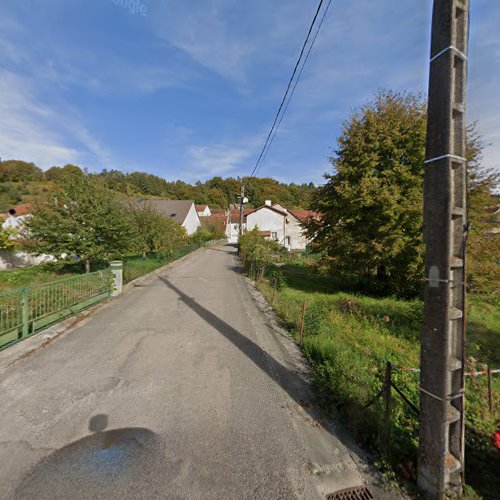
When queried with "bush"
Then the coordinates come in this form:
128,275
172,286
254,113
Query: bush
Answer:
277,279
259,254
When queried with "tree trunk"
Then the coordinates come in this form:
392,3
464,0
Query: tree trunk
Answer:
87,266
144,254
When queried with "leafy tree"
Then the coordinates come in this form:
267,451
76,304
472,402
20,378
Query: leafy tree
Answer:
155,233
10,195
81,218
215,226
371,204
258,253
483,262
6,239
200,236
18,170
55,174
148,183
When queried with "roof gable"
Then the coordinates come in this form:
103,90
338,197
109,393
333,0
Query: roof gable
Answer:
173,209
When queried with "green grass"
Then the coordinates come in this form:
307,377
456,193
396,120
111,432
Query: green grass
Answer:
134,267
349,337
18,278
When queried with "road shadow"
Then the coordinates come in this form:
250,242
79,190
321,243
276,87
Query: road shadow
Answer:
294,383
124,462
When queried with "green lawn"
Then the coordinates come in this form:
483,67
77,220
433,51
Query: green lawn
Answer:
349,337
18,278
134,267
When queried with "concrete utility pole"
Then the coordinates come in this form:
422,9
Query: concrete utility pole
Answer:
242,199
441,451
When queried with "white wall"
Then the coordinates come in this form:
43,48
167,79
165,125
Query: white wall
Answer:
267,220
205,212
11,260
232,231
192,221
298,241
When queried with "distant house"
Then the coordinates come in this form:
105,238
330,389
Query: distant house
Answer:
274,222
203,211
233,224
182,211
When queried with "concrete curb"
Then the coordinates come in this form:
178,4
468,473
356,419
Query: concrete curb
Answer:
42,339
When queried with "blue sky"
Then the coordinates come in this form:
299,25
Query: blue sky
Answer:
189,89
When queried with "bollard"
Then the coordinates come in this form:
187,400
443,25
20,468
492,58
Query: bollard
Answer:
116,267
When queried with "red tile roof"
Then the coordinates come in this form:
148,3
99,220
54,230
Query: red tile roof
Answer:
200,208
235,215
21,209
304,215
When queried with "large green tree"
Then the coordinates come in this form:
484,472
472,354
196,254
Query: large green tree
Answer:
483,203
372,203
81,218
155,233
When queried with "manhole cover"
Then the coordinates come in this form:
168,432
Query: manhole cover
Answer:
359,493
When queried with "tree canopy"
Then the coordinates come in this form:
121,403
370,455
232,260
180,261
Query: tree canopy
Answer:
372,202
80,218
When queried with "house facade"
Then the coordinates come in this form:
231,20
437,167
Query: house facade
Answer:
274,222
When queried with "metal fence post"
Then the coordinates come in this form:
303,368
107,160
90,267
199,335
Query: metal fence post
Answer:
116,267
25,311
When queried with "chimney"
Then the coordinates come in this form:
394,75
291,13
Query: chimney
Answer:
268,203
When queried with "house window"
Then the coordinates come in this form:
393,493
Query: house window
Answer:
236,226
274,236
287,241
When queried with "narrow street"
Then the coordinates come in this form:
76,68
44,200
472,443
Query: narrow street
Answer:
178,389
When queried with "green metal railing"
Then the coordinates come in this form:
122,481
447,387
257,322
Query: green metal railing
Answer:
25,311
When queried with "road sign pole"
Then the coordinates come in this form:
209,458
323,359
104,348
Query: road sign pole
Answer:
441,449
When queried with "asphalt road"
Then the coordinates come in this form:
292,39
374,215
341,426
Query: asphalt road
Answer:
181,388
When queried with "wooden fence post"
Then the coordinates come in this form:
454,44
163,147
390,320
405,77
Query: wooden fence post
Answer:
388,404
490,395
304,306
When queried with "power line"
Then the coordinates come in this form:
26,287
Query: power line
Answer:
287,88
294,86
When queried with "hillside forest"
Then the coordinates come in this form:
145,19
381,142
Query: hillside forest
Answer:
23,182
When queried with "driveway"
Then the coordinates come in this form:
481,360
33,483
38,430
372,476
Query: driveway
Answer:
181,388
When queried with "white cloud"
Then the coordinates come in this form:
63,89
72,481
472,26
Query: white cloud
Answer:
32,130
217,159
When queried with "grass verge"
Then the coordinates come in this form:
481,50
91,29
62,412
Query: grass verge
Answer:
349,337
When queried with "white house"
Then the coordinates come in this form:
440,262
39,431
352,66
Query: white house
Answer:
274,222
233,224
203,211
182,211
